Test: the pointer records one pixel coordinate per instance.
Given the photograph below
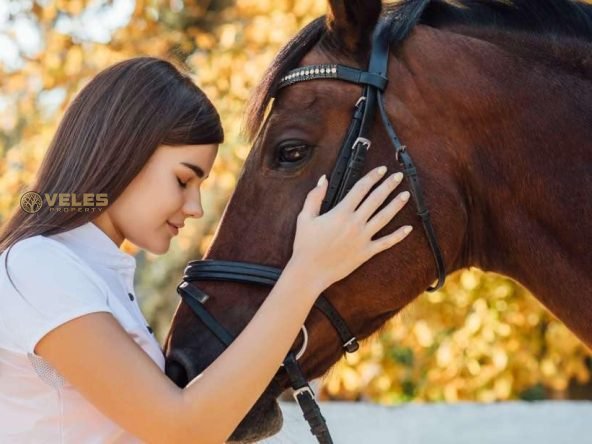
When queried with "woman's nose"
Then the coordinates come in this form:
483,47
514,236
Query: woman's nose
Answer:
193,208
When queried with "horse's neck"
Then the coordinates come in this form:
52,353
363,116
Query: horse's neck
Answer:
531,184
532,203
526,165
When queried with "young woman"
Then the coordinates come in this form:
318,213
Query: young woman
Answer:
78,362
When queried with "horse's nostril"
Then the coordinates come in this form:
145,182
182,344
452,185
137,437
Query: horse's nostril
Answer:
176,372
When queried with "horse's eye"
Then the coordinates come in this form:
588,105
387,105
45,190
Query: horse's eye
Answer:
293,154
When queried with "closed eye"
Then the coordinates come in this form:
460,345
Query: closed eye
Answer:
181,184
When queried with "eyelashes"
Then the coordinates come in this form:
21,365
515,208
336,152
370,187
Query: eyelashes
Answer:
181,184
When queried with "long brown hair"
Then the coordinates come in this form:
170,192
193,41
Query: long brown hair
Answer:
107,135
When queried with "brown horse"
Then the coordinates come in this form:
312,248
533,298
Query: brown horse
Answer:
493,100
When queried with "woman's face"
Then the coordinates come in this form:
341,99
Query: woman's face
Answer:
160,197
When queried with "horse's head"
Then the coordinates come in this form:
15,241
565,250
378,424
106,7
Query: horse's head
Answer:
298,142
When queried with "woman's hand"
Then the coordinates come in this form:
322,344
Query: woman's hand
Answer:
332,245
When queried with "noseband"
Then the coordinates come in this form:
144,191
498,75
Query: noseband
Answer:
347,171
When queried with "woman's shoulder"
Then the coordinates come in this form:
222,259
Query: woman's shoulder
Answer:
40,258
43,284
36,246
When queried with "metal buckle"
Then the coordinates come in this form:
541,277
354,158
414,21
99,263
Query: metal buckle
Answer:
363,141
402,149
360,100
304,344
348,345
305,389
193,292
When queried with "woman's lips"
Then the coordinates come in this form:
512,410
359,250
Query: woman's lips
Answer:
173,228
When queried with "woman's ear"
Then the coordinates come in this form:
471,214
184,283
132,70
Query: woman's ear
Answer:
352,21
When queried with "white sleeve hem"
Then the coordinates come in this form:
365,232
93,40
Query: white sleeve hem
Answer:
56,322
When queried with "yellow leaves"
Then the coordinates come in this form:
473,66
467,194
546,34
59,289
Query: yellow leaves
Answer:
499,358
423,334
436,297
227,36
502,387
350,380
205,41
46,14
306,8
451,392
14,82
8,121
473,367
548,367
444,355
473,323
74,61
74,7
502,290
253,30
469,279
251,7
480,338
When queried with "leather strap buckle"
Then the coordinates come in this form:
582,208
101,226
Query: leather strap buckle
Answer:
362,140
300,391
352,345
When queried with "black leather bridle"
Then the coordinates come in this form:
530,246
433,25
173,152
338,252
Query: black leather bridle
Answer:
347,171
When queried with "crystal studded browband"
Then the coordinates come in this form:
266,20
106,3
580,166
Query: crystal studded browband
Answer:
339,72
309,73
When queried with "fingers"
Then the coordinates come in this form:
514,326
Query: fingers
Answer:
361,188
314,199
384,216
388,241
378,196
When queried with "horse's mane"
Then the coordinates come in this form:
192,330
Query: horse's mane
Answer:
553,18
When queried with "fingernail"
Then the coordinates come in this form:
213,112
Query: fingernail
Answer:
382,170
407,229
321,181
405,196
397,177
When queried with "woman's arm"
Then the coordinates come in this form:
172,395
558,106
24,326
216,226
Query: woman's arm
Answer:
97,356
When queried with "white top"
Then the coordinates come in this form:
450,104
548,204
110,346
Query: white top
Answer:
61,277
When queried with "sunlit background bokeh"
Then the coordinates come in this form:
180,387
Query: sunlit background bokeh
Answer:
482,337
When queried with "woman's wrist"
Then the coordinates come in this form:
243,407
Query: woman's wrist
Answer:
306,277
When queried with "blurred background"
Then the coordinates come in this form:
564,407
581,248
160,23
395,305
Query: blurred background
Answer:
481,338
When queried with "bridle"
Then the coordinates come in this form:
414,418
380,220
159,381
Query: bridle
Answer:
347,171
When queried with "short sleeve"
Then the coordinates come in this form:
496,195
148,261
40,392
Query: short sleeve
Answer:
54,287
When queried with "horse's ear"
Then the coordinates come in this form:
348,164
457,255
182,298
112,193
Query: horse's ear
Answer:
352,22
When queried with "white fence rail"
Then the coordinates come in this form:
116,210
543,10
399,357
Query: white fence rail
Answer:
545,422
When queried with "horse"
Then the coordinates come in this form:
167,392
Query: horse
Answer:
492,99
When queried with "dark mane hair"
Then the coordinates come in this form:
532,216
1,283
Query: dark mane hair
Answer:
553,18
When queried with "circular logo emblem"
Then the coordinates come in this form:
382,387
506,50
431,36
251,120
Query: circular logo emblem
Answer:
31,202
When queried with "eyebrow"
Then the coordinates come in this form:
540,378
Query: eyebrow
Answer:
197,170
